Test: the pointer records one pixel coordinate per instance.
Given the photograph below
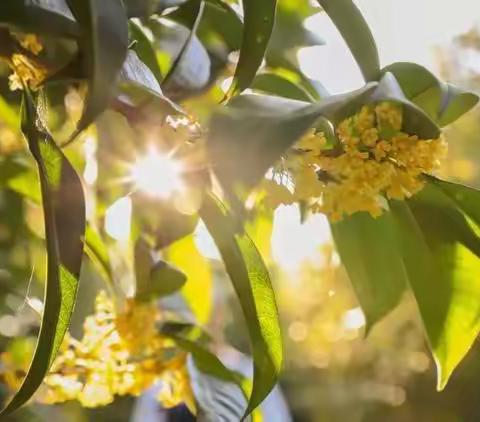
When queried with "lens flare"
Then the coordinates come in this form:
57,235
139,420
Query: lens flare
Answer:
157,174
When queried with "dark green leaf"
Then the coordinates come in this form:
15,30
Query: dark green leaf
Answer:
104,40
219,20
441,256
251,281
192,341
154,279
371,256
355,31
216,399
162,220
195,17
64,211
193,72
259,17
40,16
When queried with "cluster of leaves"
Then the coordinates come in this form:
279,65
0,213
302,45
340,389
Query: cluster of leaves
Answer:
163,51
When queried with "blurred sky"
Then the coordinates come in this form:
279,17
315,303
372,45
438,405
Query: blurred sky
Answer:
405,30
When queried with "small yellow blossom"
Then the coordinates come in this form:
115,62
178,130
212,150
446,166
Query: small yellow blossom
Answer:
25,70
374,160
31,43
120,353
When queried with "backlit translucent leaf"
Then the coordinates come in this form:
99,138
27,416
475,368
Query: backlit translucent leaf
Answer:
370,253
252,284
64,213
259,16
441,256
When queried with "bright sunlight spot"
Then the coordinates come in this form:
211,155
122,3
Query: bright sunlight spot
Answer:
157,174
354,319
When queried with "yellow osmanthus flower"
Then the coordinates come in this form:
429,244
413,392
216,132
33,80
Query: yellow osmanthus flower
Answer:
373,160
26,69
121,353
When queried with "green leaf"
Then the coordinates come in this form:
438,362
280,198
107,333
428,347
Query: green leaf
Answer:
195,17
220,393
252,284
64,211
443,102
271,83
290,34
136,72
355,31
219,21
441,255
371,256
455,103
466,198
415,120
51,17
162,220
96,250
261,128
216,399
144,49
193,71
192,341
104,43
418,84
154,279
259,17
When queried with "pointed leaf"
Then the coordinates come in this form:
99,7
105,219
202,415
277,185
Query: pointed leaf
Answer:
455,103
216,399
466,198
144,49
443,102
104,29
194,19
40,16
372,258
271,83
252,284
415,120
64,213
259,17
355,31
136,72
441,256
154,279
261,128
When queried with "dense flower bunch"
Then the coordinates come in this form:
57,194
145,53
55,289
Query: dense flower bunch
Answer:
121,353
373,159
26,69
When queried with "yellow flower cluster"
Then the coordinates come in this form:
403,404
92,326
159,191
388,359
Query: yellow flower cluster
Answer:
373,160
27,70
121,353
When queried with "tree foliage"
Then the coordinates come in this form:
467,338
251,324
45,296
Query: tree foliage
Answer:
147,61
